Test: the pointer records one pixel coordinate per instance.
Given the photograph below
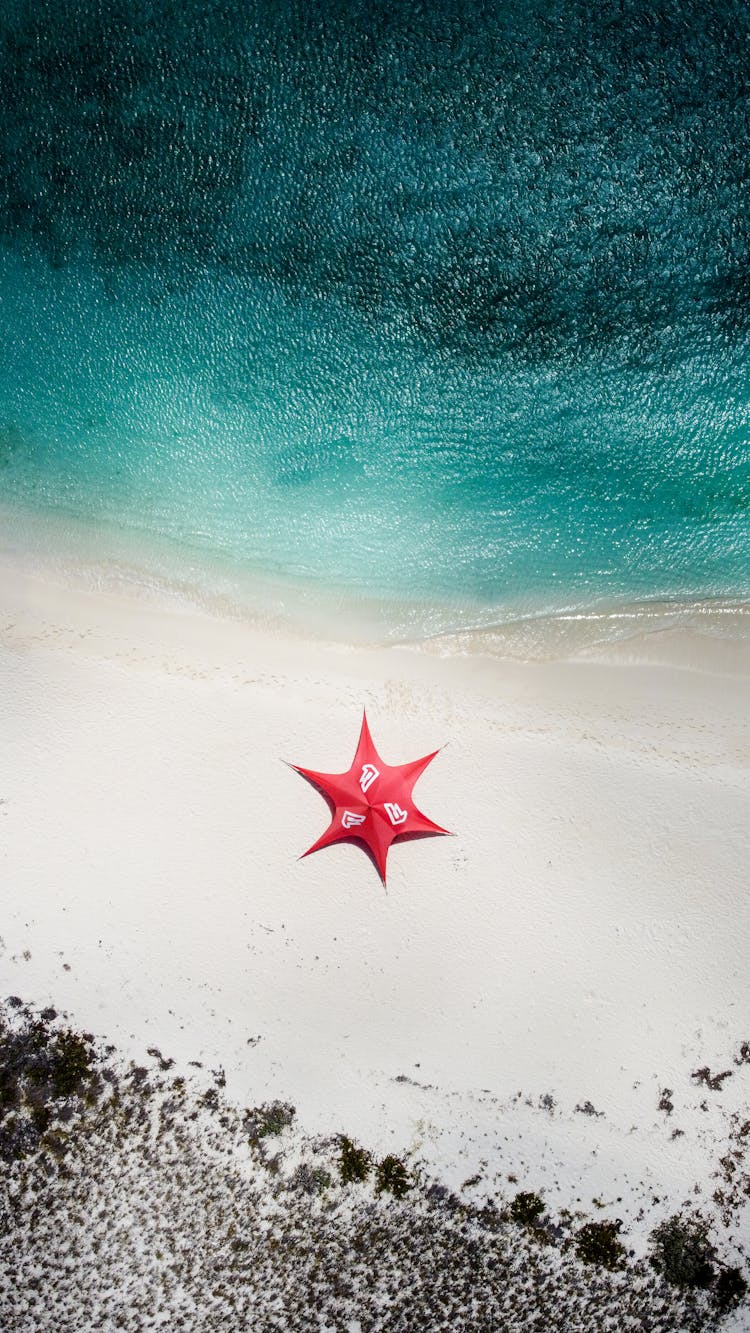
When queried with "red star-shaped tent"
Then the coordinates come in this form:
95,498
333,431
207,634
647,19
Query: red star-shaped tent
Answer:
372,801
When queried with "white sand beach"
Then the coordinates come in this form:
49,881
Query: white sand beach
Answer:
581,942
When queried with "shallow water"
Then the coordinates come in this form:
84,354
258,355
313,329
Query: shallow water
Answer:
443,305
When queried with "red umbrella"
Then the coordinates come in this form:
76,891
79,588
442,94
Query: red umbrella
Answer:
372,801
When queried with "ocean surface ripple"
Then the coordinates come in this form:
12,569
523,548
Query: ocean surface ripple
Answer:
443,303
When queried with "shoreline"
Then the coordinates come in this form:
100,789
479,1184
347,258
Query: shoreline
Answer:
580,941
84,554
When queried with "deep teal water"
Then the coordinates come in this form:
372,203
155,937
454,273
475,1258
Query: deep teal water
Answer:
444,301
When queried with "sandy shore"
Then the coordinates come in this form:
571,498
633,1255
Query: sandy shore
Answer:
582,941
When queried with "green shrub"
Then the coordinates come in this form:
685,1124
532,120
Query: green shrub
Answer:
527,1208
71,1063
682,1252
392,1177
730,1289
310,1179
59,1062
269,1119
354,1162
597,1243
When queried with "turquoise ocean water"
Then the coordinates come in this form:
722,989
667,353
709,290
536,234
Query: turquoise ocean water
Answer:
443,305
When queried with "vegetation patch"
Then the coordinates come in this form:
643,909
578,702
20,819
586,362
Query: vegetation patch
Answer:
709,1080
682,1253
527,1208
392,1177
354,1162
588,1108
311,1179
665,1101
730,1289
43,1072
598,1243
131,1167
269,1119
734,1191
70,1063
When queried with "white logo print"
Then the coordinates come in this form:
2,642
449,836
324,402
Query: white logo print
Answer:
369,774
394,812
349,819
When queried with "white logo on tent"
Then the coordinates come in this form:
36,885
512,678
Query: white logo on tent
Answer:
349,819
394,812
369,774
